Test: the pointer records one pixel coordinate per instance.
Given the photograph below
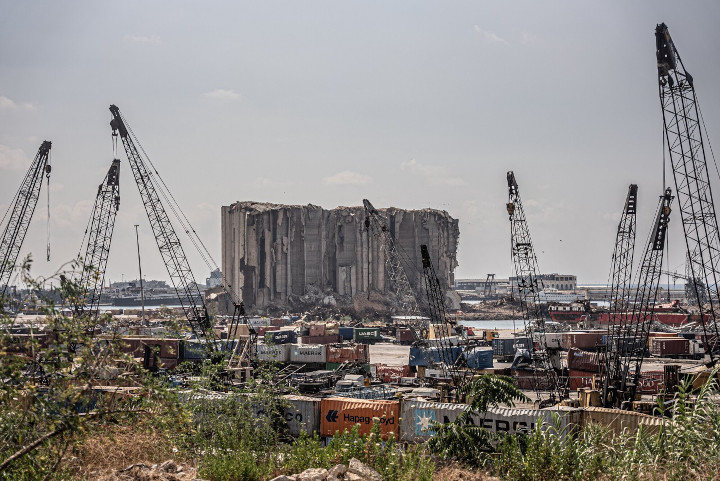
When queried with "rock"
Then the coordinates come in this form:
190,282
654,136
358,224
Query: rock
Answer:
168,467
313,474
361,469
353,477
337,470
285,478
332,478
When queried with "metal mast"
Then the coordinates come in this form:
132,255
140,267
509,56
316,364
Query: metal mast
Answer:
643,310
167,240
404,292
99,236
21,211
681,121
438,314
621,273
529,286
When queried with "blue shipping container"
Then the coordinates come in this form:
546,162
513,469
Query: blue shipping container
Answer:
347,333
479,358
426,356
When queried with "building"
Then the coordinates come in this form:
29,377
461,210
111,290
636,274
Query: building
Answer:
283,255
561,282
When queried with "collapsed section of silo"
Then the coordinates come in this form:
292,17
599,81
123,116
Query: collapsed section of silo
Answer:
294,257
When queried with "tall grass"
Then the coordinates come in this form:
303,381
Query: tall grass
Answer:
687,447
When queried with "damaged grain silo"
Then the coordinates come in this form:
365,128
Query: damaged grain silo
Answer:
283,257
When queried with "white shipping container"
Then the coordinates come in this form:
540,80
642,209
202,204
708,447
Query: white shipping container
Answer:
272,352
553,339
302,414
259,321
311,353
417,418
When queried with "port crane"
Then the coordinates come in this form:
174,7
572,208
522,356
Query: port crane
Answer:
439,317
682,121
20,213
529,286
97,239
168,242
620,291
404,293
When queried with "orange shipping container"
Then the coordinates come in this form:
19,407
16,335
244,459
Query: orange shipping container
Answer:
339,414
356,352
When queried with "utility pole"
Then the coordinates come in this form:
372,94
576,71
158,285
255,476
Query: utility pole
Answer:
142,291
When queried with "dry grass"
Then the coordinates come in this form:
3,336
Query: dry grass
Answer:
118,448
457,473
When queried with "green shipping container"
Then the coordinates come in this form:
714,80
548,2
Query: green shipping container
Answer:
365,334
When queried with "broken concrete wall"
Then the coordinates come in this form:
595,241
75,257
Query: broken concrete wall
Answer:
280,255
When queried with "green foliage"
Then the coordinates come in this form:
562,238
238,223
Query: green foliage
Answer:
465,441
50,394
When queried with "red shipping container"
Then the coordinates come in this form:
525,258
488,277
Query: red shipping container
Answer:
355,352
404,335
392,373
670,346
261,330
317,329
583,360
651,382
338,414
582,340
277,322
333,339
580,379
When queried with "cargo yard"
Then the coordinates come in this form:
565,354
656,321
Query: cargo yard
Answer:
342,343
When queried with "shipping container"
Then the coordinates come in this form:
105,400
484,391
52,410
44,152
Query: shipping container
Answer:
366,334
527,379
439,331
347,333
332,328
579,360
317,329
404,335
258,321
479,358
278,322
272,352
354,352
285,336
580,379
618,420
418,417
261,330
309,354
552,339
505,347
387,373
339,414
426,356
167,348
327,339
582,340
670,347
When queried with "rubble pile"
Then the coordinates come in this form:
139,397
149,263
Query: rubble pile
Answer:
167,471
354,471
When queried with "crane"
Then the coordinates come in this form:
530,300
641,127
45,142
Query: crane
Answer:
635,336
21,211
171,250
97,248
621,274
439,317
683,137
167,239
404,293
529,286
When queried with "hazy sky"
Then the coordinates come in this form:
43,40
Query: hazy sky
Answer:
410,104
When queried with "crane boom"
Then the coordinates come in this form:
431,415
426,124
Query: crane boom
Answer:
683,135
621,274
21,211
99,237
167,239
529,286
404,292
643,310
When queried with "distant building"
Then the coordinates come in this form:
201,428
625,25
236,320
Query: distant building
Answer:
215,279
561,282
